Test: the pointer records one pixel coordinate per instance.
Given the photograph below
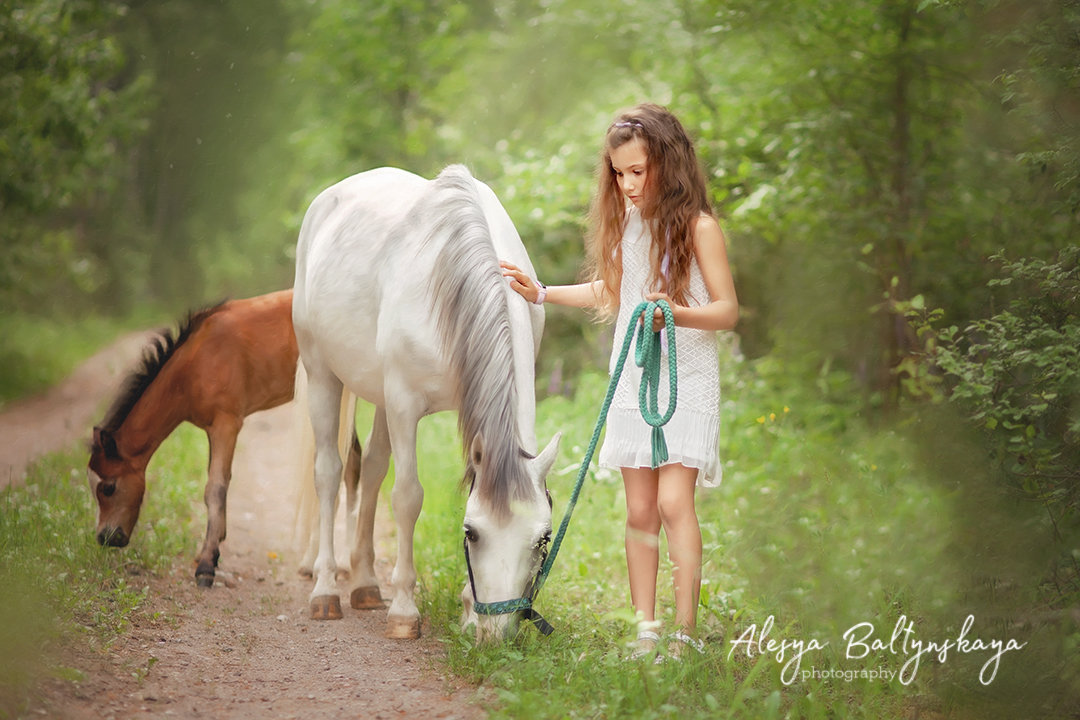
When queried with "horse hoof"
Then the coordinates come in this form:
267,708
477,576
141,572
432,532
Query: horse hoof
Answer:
366,598
326,607
305,572
203,580
402,628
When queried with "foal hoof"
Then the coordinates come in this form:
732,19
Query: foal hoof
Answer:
204,580
366,598
402,628
326,607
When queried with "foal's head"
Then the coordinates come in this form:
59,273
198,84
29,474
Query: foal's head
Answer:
118,481
118,484
505,543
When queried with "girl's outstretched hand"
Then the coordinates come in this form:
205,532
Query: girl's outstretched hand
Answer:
521,283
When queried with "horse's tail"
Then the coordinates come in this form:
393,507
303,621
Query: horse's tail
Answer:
306,520
473,320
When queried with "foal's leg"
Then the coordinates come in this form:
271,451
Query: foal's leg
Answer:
324,398
222,436
403,619
365,586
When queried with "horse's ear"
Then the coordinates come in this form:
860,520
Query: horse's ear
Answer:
104,440
546,458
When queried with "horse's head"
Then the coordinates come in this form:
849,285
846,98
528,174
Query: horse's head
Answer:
504,551
117,484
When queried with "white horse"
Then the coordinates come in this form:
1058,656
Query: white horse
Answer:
399,300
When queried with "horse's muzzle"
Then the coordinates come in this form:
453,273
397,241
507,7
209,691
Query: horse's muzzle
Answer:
495,629
113,537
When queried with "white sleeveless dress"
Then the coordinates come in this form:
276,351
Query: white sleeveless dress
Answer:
692,434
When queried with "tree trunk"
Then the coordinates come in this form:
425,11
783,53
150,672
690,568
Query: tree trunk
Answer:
896,265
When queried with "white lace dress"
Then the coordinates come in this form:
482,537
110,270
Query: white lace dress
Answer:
692,434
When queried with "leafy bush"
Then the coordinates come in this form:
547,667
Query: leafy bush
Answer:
1017,374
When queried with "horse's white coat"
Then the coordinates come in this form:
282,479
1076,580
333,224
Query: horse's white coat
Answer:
378,313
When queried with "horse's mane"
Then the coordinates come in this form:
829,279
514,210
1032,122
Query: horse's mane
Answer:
473,318
155,355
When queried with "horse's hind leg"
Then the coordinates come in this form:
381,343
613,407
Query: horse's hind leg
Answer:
324,398
365,586
222,436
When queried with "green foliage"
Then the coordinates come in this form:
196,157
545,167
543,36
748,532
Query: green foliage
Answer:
856,148
59,123
67,115
846,197
57,586
38,352
1039,86
1017,375
217,126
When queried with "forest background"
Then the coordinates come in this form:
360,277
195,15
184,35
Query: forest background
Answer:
899,183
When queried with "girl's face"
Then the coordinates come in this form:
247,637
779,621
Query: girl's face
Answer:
630,163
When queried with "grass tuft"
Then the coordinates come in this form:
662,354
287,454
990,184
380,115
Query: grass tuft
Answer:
57,586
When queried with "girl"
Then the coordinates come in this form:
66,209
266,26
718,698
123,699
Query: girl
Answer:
653,235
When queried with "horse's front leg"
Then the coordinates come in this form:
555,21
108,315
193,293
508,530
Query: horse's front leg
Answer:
365,593
403,618
222,436
324,397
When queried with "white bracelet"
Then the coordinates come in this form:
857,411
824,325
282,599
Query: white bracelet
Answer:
541,294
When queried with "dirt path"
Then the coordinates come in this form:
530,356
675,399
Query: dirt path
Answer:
244,649
65,414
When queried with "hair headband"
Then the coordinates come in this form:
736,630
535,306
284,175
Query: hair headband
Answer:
628,123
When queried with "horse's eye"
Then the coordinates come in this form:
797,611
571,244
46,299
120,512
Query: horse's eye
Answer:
107,489
471,535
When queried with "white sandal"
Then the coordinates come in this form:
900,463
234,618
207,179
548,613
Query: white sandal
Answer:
678,640
646,643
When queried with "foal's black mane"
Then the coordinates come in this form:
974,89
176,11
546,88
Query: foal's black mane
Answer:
155,356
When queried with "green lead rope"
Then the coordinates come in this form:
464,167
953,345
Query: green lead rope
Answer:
647,356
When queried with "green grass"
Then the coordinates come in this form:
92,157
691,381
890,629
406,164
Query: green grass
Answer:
38,352
57,586
823,523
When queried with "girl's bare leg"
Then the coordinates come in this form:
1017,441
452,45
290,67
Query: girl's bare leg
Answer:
675,506
642,543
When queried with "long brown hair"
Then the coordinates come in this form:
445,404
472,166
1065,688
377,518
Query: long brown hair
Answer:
676,197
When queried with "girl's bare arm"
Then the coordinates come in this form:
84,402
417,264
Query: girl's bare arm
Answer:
722,312
582,295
